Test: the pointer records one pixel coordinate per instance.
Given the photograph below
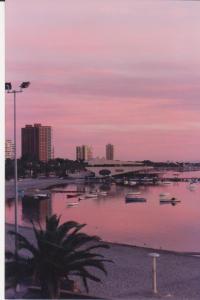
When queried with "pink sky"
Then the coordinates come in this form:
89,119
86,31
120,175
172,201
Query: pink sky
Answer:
120,71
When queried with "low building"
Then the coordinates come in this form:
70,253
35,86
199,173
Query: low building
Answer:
104,167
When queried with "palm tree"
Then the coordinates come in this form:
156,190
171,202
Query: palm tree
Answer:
60,251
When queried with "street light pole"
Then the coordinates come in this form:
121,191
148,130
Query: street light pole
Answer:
16,185
8,88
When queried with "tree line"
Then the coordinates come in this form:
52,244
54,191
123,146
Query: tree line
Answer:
33,168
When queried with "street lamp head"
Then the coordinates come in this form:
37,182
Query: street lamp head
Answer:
24,84
8,86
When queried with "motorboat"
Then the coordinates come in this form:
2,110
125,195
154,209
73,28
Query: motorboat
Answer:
192,186
133,194
41,196
103,193
125,182
131,182
72,204
91,195
71,196
167,182
164,194
172,201
134,198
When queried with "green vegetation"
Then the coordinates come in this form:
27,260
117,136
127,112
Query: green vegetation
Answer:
33,168
60,251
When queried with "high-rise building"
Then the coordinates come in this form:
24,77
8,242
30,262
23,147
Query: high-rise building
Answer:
84,152
9,149
109,152
36,142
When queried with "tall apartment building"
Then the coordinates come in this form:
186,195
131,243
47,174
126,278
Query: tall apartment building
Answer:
36,142
9,149
109,152
84,152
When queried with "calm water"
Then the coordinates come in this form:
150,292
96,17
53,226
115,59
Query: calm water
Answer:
148,224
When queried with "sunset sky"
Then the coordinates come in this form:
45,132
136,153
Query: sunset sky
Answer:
119,71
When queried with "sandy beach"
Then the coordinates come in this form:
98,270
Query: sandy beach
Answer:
130,276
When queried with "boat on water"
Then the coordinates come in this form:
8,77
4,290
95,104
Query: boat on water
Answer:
72,204
134,198
172,200
192,186
131,182
133,194
167,182
41,196
164,194
103,193
91,195
125,182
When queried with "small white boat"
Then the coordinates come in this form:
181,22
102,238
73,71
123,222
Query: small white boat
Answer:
133,194
125,182
171,200
41,196
164,194
167,182
192,186
102,193
131,182
134,198
72,204
91,195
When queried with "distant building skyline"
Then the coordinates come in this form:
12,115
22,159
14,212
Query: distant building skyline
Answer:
109,152
36,142
9,149
84,152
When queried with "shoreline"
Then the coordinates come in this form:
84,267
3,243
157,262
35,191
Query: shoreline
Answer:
150,249
130,276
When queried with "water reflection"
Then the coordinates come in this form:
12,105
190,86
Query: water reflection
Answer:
35,210
173,226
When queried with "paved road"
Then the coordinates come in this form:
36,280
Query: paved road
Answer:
29,183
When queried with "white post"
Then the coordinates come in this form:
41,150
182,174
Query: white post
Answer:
154,274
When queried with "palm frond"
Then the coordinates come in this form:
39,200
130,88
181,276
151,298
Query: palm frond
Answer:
52,222
97,263
65,228
105,246
77,240
23,243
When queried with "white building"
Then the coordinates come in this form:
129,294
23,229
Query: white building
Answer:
104,167
9,149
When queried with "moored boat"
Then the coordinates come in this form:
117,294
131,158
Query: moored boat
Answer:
131,182
91,195
41,196
103,193
133,194
134,198
164,194
72,204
